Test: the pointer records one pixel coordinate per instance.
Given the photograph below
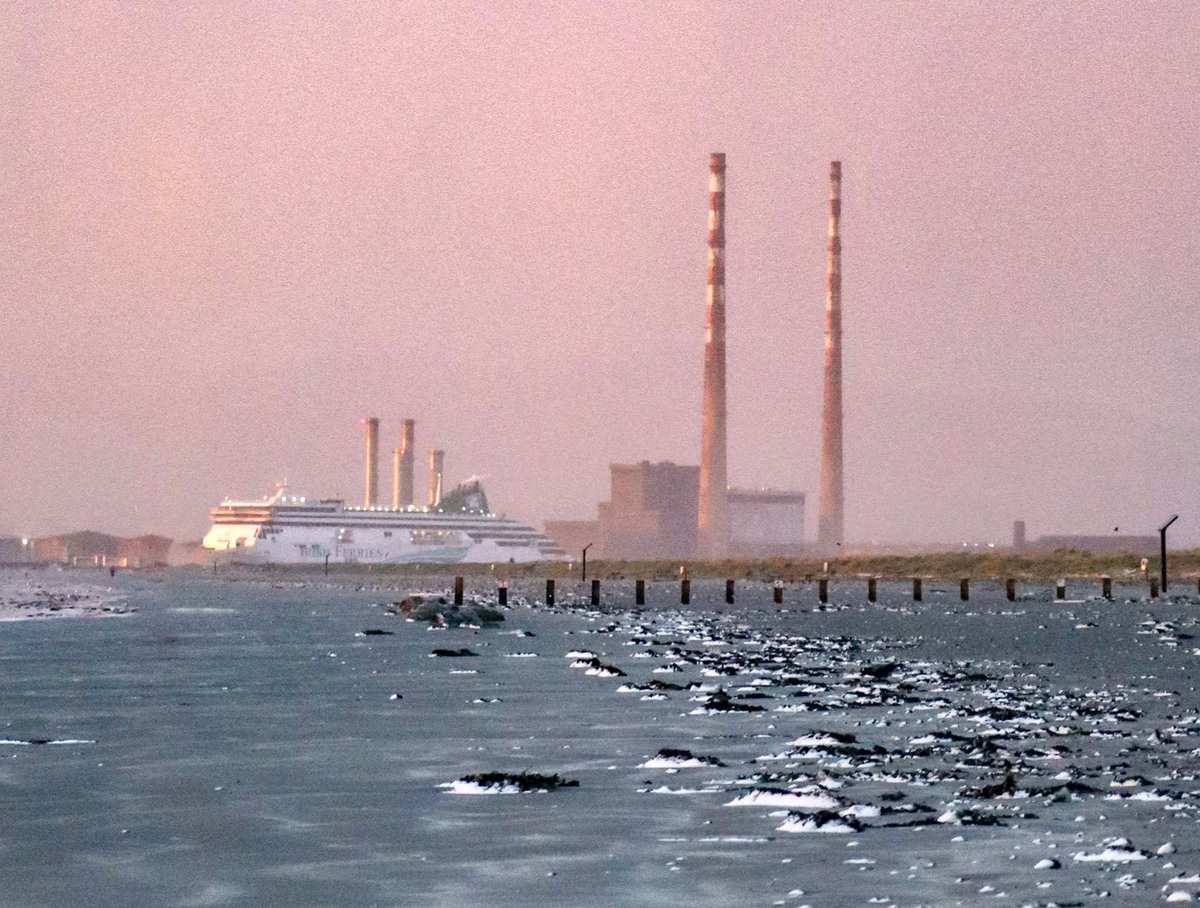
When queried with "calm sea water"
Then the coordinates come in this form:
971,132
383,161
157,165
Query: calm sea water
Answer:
242,743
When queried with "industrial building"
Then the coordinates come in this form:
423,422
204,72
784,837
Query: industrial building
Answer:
650,514
766,523
651,511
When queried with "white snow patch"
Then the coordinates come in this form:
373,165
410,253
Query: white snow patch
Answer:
1116,851
463,787
795,800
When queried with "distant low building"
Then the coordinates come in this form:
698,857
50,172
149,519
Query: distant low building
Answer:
14,550
144,551
91,548
85,547
1114,542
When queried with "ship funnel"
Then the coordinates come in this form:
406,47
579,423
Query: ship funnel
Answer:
436,461
371,455
402,467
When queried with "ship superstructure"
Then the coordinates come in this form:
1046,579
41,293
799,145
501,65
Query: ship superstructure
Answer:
287,529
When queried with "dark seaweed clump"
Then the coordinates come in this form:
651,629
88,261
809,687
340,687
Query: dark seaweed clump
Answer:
525,781
676,753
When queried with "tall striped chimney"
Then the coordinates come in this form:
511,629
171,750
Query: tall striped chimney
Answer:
402,467
713,512
436,461
371,455
831,517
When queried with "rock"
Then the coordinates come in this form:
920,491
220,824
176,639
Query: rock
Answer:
509,783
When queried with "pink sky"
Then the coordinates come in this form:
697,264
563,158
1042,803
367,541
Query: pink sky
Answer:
231,230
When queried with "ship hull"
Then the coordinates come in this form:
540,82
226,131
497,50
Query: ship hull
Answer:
298,532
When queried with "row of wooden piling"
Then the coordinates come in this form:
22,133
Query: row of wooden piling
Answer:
685,590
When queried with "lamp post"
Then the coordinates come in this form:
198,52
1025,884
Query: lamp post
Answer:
585,548
1162,549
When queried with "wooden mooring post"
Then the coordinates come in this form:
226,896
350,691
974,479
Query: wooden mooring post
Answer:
502,593
458,591
872,589
917,591
1010,589
1060,590
550,591
595,591
729,592
964,589
778,594
685,591
1106,587
639,592
823,589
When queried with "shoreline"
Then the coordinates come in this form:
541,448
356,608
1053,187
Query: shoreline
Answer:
993,567
1039,567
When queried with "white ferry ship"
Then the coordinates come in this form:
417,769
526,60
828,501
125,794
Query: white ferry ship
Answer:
285,529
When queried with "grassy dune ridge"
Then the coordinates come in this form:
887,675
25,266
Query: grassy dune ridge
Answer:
1183,565
1041,566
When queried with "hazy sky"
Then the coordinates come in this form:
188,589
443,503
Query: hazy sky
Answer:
230,230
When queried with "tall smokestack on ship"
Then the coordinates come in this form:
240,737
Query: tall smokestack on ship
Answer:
402,467
831,518
713,515
436,459
371,484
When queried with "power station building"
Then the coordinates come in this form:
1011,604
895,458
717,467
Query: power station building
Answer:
667,511
766,523
652,513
